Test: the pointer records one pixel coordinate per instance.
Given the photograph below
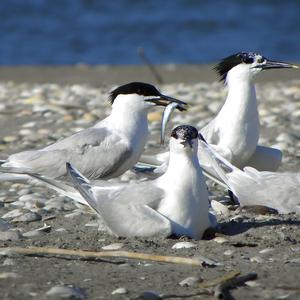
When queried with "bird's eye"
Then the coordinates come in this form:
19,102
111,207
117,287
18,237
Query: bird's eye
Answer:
248,60
261,60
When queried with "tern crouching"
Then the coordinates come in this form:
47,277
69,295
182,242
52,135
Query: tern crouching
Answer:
175,203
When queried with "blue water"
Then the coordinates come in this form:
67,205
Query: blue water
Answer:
170,31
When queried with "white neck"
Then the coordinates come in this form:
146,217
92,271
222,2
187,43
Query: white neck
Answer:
237,124
128,117
240,104
186,197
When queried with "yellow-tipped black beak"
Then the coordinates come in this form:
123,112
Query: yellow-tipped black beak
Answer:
276,65
163,100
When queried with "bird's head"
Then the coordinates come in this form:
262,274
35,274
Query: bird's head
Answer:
184,138
247,65
141,96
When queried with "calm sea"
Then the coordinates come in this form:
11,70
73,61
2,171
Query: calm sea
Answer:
170,31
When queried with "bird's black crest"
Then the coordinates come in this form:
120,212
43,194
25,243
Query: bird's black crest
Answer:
139,88
227,63
184,132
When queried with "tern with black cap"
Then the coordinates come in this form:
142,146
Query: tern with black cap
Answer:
234,132
106,150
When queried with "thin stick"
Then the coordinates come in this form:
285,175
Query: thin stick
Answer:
219,280
94,254
222,291
151,67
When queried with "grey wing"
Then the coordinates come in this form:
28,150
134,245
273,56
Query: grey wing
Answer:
90,150
123,211
134,220
276,190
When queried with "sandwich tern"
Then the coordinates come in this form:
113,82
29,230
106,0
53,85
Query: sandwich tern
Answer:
234,132
106,150
252,187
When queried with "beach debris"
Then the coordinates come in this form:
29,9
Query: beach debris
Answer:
114,246
219,208
228,252
184,245
28,217
119,291
39,231
13,214
6,275
10,235
293,260
206,261
149,295
221,291
4,225
190,281
68,292
220,240
9,262
257,259
266,250
196,261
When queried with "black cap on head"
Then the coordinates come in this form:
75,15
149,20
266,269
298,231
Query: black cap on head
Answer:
139,88
227,63
184,132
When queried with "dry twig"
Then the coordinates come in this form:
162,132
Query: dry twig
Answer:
96,255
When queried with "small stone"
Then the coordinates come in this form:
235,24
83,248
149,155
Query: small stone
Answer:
66,292
252,283
95,224
28,217
228,252
8,262
73,214
13,214
23,192
33,233
114,246
120,291
294,260
219,208
185,245
256,259
220,240
148,295
9,139
25,132
4,226
266,250
60,229
10,235
190,281
6,275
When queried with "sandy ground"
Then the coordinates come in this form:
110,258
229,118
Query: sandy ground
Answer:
267,244
102,74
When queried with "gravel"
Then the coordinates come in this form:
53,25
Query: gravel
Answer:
33,115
